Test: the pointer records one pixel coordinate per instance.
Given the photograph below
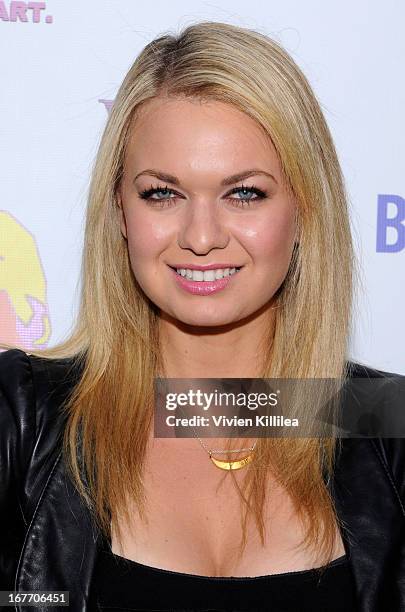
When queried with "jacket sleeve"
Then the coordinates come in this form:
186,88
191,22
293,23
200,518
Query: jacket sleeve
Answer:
17,439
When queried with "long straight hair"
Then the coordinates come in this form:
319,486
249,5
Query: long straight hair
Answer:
116,340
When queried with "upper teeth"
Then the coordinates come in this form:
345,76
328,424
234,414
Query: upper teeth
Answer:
206,275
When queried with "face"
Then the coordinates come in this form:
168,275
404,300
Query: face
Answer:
202,188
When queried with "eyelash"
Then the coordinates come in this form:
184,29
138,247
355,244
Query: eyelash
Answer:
147,193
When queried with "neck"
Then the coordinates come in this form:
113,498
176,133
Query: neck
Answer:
231,351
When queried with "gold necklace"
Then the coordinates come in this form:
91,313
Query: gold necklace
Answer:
230,465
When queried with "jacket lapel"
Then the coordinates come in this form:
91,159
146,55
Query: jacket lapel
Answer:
61,544
373,524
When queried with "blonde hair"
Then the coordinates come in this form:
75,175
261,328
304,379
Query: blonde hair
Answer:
116,339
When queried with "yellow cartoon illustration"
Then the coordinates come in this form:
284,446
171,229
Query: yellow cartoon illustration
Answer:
24,317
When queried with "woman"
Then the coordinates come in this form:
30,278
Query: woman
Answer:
216,156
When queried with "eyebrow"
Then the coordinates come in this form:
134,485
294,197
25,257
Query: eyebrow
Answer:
229,180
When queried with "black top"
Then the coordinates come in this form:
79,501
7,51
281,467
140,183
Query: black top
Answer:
120,584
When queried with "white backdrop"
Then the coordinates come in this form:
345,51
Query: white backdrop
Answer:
62,64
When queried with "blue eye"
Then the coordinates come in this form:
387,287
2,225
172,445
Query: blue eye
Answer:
253,190
165,201
148,193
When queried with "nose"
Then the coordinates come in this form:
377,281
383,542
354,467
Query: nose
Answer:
203,227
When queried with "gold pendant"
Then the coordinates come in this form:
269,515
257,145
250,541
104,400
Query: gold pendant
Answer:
232,465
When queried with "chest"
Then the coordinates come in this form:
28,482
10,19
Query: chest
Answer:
193,523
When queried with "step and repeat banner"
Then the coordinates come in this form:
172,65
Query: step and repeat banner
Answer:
61,66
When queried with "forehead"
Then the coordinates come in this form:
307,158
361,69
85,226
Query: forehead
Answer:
197,132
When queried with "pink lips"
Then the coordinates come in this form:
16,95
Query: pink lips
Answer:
202,287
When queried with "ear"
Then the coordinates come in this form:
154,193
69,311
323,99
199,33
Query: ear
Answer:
121,214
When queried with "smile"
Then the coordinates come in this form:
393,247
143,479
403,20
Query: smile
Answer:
206,275
204,282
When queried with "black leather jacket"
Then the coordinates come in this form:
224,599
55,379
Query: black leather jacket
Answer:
48,540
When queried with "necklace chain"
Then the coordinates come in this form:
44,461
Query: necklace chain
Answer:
211,451
235,450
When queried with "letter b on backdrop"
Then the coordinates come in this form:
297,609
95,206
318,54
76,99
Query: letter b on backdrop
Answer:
397,222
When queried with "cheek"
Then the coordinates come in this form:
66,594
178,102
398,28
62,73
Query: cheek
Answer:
147,236
270,238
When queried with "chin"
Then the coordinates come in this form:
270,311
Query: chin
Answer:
204,319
